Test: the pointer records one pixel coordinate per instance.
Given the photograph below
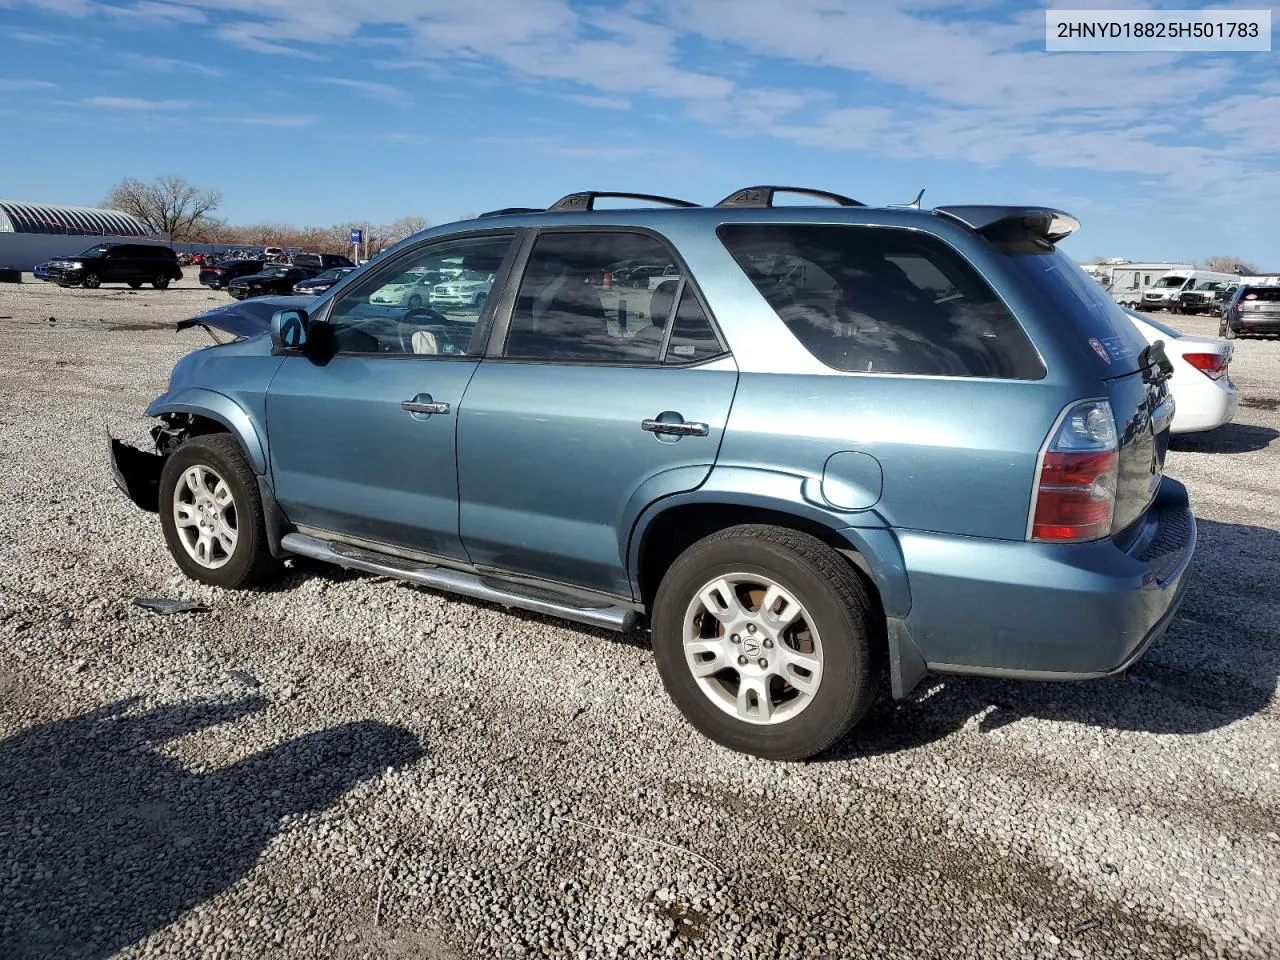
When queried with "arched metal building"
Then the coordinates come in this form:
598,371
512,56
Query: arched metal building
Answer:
76,221
33,232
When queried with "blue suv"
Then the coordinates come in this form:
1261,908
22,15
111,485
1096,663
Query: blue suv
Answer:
820,443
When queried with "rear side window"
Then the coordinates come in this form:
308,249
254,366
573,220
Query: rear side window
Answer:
882,300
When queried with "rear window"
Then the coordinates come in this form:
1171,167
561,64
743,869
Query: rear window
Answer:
1058,279
883,300
1265,294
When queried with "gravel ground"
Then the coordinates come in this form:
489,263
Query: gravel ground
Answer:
345,766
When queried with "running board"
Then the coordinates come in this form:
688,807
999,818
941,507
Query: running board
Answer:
457,581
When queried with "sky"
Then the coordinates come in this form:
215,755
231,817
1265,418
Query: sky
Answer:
327,111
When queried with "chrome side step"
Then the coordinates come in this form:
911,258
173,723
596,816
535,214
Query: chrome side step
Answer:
457,581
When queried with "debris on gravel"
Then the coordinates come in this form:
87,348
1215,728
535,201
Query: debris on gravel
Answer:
345,766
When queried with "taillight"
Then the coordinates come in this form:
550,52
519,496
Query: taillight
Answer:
1075,495
1212,365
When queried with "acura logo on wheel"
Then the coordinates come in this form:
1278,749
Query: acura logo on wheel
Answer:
751,646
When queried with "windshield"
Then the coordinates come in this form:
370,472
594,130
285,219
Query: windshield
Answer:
334,274
475,276
279,271
95,251
1168,282
1208,285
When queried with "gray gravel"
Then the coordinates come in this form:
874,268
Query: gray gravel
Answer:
345,766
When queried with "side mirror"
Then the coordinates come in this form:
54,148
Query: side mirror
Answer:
289,330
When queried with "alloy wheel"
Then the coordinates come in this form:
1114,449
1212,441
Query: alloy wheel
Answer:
752,648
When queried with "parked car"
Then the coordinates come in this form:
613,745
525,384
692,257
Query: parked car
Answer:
468,289
41,271
273,278
942,452
1253,310
321,261
131,263
221,274
1203,394
410,289
322,282
1207,296
1166,293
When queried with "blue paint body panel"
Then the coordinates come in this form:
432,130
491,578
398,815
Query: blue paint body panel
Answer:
542,470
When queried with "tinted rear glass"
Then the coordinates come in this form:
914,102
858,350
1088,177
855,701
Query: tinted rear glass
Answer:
1077,299
1265,294
882,300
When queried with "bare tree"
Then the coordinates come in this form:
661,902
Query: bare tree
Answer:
1227,264
167,205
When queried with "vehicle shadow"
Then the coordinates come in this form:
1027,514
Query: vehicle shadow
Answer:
1229,438
104,839
1218,664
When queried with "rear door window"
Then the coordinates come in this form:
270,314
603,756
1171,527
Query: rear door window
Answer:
883,300
607,296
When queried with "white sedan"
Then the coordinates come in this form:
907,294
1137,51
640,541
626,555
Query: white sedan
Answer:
1203,394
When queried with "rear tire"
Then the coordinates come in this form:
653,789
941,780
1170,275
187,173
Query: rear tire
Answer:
160,282
825,646
209,487
135,284
1229,333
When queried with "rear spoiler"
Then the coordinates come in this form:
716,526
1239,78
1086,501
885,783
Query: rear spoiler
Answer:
1040,227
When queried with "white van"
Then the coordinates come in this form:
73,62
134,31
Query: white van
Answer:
1164,293
1127,282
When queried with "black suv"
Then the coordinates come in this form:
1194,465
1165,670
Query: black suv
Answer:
321,261
131,263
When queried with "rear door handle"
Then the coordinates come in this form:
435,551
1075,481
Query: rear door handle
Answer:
676,428
423,403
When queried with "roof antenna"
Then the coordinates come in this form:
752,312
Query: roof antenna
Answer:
915,204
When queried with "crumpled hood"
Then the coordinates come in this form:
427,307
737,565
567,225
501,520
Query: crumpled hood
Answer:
245,318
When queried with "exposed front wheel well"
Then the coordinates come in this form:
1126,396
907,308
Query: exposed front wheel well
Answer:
174,428
679,528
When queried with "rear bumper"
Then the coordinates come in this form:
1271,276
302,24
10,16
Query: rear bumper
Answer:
1048,612
1252,321
1203,406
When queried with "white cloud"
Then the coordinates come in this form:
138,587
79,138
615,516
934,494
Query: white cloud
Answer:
372,89
135,103
270,120
20,85
169,65
600,103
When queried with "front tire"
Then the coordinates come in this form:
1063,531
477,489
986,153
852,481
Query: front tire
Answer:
211,514
763,637
161,282
135,284
91,281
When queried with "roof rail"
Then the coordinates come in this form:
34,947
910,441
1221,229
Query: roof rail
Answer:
509,210
587,200
763,197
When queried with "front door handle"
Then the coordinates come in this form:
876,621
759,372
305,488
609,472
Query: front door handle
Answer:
423,403
675,428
